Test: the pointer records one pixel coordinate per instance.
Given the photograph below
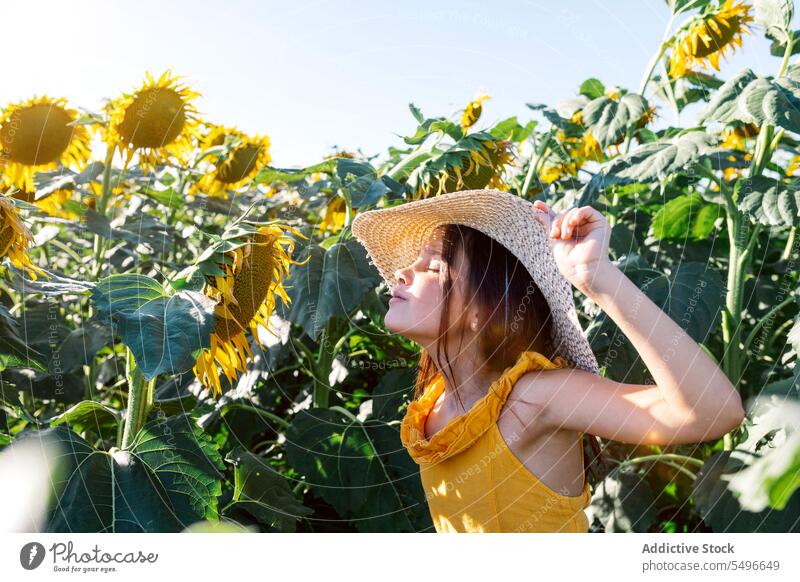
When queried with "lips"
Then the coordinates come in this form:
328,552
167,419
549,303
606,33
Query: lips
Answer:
398,296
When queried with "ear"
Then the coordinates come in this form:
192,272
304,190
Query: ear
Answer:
474,319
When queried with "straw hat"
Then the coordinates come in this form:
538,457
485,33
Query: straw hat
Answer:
393,238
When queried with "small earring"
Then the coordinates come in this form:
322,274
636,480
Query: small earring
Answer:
474,326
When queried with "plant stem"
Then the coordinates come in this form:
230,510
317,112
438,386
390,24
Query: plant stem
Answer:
535,162
322,367
789,244
138,396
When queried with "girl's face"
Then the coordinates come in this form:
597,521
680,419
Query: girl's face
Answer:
416,314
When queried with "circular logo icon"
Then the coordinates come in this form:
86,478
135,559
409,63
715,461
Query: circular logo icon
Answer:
31,555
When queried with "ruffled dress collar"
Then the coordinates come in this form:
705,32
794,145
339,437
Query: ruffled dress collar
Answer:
464,430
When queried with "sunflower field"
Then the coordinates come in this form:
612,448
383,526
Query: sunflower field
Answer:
198,340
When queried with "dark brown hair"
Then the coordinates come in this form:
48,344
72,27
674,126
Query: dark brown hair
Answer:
514,314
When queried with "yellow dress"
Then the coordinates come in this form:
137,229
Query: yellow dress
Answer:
472,480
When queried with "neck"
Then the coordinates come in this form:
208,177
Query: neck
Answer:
464,375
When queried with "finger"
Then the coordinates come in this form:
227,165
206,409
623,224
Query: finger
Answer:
543,218
568,228
555,230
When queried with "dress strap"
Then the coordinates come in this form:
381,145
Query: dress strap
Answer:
462,431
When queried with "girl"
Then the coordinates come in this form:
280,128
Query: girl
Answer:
506,382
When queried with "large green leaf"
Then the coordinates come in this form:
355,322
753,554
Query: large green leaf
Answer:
768,201
773,478
650,162
752,99
332,284
363,184
262,493
775,16
163,331
608,119
169,478
80,346
14,352
270,175
624,502
723,510
361,469
686,217
692,295
89,415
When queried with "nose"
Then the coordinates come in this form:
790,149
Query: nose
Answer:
400,277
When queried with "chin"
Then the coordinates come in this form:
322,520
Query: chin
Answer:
390,323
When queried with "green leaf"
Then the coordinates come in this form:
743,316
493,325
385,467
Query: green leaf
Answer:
687,216
88,415
167,197
649,162
624,502
692,295
416,113
332,284
775,16
162,331
772,479
80,346
262,493
690,88
768,201
54,285
14,352
169,478
723,510
361,469
270,175
608,120
752,99
592,88
511,129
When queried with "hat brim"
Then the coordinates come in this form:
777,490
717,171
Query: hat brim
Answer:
393,238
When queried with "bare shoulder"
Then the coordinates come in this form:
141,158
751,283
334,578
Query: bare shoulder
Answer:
539,388
554,393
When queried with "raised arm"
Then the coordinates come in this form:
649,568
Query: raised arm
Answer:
692,399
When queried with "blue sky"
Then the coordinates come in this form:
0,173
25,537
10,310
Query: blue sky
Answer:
314,74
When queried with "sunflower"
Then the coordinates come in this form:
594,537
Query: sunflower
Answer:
36,136
794,165
241,164
253,274
472,112
475,162
709,37
734,137
52,203
157,120
335,215
15,238
579,149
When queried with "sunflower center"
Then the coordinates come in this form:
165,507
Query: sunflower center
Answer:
239,165
36,135
251,286
154,119
721,31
